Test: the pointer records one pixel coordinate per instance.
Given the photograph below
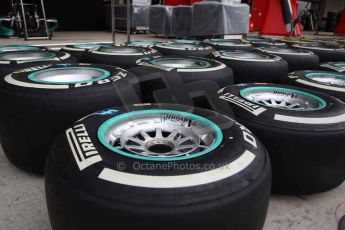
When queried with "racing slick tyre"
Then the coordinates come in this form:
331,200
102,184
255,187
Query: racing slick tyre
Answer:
331,83
303,131
253,66
265,42
180,48
121,56
229,44
297,59
145,44
326,53
333,66
13,61
78,49
20,48
38,103
160,166
193,69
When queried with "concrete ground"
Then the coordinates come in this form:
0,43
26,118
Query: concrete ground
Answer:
22,205
22,201
79,37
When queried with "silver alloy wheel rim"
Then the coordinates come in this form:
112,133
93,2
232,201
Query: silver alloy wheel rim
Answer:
155,135
69,75
283,98
327,78
275,50
245,55
183,45
121,49
18,48
87,46
26,56
181,63
228,42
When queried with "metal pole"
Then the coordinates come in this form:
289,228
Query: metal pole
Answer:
112,12
128,21
45,19
24,20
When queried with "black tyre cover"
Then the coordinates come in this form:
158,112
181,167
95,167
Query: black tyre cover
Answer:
39,102
303,130
105,186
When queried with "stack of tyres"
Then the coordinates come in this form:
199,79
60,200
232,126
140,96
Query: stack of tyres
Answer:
38,103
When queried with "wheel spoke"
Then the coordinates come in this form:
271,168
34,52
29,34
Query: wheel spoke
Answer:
173,134
185,147
145,135
159,133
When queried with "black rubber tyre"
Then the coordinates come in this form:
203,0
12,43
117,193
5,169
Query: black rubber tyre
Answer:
229,44
331,83
120,189
342,224
327,53
192,69
333,66
13,61
295,40
266,42
37,104
304,134
182,49
277,44
78,50
253,66
297,59
20,48
121,56
145,44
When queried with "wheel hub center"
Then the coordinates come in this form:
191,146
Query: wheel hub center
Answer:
160,146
